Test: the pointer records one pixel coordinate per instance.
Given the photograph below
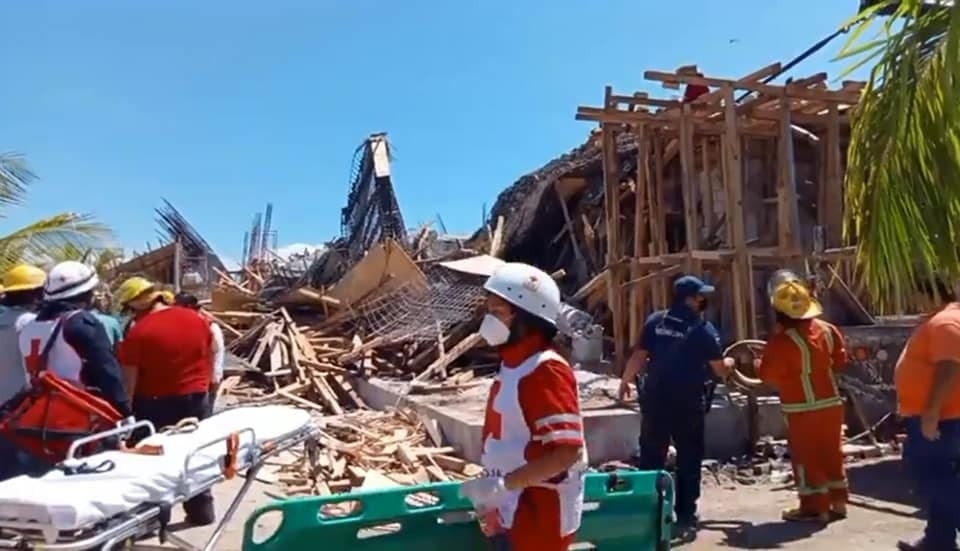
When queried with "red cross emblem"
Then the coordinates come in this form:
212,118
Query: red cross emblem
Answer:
34,360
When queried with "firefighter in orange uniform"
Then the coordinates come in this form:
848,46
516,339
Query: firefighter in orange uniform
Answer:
800,361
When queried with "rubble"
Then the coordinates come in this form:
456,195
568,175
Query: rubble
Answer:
365,450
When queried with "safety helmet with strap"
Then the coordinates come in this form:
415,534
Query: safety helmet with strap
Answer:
132,288
70,279
793,299
528,288
23,277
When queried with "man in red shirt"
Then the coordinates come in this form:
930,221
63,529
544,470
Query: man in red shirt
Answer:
531,497
167,357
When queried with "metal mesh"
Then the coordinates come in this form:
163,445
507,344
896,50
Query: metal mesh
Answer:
418,313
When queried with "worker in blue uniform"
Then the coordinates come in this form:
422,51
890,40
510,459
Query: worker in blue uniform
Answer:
674,367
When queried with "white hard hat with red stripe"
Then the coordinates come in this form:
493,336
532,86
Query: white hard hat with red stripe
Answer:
529,289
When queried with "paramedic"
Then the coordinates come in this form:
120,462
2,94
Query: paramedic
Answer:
927,379
675,366
189,301
23,290
71,338
167,357
800,360
533,449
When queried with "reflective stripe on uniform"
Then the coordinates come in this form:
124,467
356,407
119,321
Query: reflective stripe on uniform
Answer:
811,402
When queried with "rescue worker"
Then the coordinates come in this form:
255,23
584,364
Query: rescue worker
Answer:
927,379
167,356
71,339
189,301
674,368
800,361
23,285
531,495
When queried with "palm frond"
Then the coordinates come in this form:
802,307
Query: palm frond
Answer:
46,240
15,179
903,165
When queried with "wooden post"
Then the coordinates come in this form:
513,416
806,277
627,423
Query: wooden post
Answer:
658,220
733,180
833,219
788,216
687,187
640,238
611,180
706,184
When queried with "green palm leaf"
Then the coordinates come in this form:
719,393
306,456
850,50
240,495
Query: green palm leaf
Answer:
45,241
903,166
15,178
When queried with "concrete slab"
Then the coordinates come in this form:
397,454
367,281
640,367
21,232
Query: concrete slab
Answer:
611,429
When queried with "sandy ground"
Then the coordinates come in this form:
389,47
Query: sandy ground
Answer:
735,517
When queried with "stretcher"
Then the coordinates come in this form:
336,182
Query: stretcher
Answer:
113,498
622,510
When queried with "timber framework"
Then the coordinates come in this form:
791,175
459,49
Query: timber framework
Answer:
729,186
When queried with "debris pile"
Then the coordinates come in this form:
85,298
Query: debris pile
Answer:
367,450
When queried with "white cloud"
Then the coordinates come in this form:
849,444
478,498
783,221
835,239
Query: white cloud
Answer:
287,251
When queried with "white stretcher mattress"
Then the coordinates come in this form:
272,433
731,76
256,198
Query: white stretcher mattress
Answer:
80,501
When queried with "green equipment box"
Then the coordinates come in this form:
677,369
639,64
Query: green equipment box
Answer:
622,510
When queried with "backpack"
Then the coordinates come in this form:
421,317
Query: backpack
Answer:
45,419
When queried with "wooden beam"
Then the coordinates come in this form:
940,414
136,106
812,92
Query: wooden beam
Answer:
733,181
788,216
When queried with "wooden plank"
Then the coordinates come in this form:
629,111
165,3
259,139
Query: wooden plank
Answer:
788,216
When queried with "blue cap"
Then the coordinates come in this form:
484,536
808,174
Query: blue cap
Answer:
688,286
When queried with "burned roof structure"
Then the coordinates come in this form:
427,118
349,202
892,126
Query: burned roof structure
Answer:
372,213
196,256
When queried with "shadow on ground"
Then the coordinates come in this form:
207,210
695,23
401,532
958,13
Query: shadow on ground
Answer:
763,535
880,481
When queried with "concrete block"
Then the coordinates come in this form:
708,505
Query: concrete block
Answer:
612,431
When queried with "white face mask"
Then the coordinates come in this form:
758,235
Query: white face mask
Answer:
494,331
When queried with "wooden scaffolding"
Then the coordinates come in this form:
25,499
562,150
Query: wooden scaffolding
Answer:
692,156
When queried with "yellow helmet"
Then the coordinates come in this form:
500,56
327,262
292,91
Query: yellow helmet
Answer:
131,289
168,297
794,300
24,277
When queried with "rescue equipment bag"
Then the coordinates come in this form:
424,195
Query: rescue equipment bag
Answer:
47,417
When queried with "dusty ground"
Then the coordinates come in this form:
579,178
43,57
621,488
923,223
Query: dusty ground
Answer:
736,517
881,512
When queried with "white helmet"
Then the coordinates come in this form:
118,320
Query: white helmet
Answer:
69,279
527,288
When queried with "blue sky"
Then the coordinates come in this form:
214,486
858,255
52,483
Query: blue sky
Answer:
221,106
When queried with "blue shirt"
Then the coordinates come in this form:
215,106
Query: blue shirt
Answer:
680,345
112,325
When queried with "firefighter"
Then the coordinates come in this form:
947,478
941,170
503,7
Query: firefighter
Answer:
69,339
167,356
187,300
800,361
534,456
927,379
675,367
23,290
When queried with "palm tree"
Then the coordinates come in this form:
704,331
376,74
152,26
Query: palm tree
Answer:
103,260
903,171
43,240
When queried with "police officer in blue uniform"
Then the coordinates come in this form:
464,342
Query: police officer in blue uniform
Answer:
675,366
